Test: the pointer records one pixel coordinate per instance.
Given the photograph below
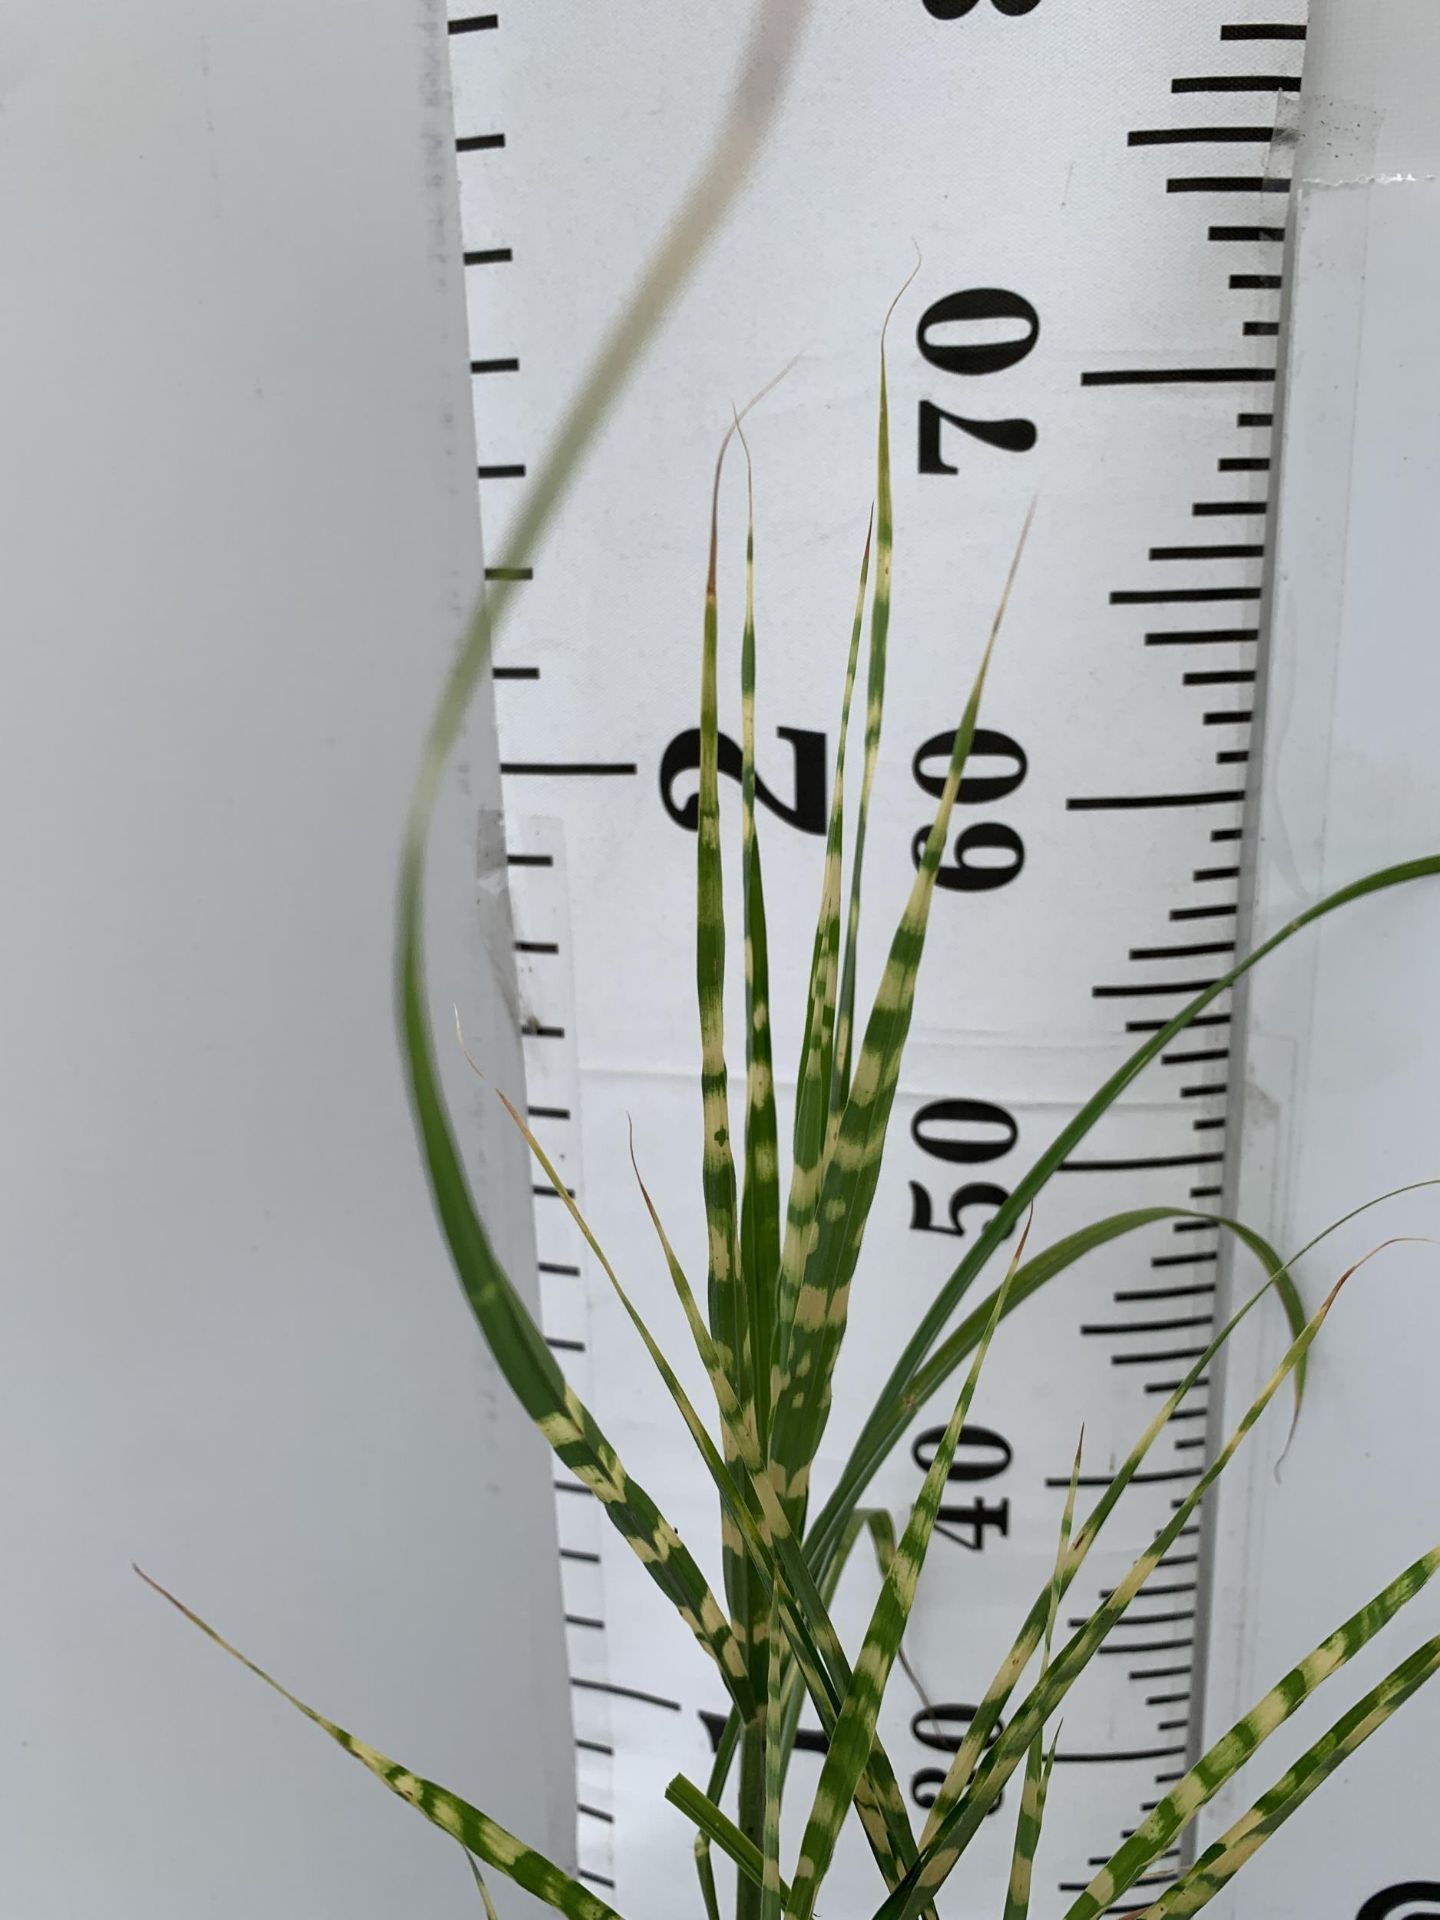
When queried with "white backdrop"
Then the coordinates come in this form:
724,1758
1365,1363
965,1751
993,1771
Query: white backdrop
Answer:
238,532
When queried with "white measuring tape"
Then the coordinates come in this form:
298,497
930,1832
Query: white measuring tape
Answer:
1098,204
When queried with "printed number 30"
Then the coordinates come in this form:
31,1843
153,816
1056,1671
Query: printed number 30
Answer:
957,9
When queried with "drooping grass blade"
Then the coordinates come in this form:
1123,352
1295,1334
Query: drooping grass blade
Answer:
1219,1864
1162,1827
881,1435
872,1444
960,1342
481,1836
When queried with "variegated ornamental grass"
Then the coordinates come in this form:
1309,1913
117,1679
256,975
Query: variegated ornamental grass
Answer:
777,1283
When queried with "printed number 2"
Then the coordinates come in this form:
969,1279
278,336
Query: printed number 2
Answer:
957,9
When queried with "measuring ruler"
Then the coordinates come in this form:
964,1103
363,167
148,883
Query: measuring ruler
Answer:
1098,205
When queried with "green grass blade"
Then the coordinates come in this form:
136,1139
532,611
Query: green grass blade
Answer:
764,71
881,1435
760,1197
874,714
949,1837
960,1343
481,1836
869,1449
1219,1864
540,1387
812,1093
1162,1827
705,1869
852,1168
855,1730
719,1830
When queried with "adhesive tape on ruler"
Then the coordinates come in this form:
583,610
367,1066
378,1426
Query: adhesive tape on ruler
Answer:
1098,205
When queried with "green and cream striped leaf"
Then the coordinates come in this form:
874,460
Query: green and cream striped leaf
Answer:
1239,1844
1038,1768
855,1730
884,1422
812,1093
1038,1763
803,1610
727,1319
480,1836
832,1245
760,1194
1162,1827
951,1835
874,714
770,1895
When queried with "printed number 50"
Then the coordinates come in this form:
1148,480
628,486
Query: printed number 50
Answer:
957,9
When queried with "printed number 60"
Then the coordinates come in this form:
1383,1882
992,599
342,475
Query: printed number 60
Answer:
957,9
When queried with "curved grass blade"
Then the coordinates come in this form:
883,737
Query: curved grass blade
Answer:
766,65
855,1729
868,1453
852,1168
481,1836
1159,1830
812,1093
962,1340
951,1835
760,1196
870,1448
1219,1864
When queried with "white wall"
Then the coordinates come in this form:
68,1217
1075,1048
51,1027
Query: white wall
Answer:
1342,1061
238,529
